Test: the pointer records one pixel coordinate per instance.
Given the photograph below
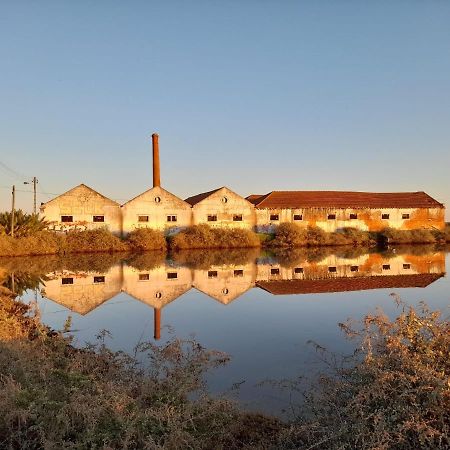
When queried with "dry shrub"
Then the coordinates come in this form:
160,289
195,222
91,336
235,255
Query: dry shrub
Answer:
199,259
99,240
40,243
203,236
144,239
419,236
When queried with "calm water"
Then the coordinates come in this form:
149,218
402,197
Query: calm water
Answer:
259,308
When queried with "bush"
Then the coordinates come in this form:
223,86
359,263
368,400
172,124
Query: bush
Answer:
419,236
40,243
203,236
99,240
143,239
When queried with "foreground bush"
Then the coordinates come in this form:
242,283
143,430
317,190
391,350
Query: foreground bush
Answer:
203,236
144,239
40,243
419,236
99,240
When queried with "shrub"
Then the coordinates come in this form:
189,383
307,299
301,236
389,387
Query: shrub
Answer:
203,236
24,224
143,239
99,240
419,236
40,243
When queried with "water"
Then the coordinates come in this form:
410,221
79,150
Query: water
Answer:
260,308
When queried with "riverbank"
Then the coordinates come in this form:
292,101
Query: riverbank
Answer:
205,237
56,396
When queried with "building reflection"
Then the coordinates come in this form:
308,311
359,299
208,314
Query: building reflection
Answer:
157,283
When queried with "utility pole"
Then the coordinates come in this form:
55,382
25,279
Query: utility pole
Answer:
35,182
12,209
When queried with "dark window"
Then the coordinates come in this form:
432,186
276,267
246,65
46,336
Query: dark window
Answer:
274,217
98,218
157,199
405,216
225,291
385,216
386,266
331,216
66,280
354,268
274,271
238,273
172,275
224,199
353,216
66,218
171,218
212,273
212,218
298,217
298,270
158,294
142,218
332,269
237,218
99,279
407,266
144,276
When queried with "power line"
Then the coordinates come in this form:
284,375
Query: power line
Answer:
12,171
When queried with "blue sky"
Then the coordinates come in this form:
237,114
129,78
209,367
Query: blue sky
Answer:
255,95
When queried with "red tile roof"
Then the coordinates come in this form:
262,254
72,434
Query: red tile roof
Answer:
344,284
340,199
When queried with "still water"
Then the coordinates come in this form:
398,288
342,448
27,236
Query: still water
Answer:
259,308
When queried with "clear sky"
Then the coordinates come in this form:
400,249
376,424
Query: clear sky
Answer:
256,95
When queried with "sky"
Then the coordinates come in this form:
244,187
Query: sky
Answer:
255,95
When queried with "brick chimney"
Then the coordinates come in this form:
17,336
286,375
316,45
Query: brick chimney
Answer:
156,169
157,323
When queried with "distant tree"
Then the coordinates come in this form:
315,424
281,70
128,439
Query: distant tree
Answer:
24,224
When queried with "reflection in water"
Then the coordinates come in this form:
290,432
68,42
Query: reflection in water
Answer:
81,284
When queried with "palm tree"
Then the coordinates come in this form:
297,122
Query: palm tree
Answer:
24,224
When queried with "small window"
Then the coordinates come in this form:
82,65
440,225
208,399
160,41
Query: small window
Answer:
407,266
144,276
386,266
354,268
66,280
224,200
298,217
142,218
98,218
298,270
99,279
331,216
353,216
172,275
332,269
405,216
66,218
274,217
212,273
237,218
225,291
157,199
239,273
158,294
171,218
274,271
385,216
212,218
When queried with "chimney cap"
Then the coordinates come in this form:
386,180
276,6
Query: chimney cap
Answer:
155,134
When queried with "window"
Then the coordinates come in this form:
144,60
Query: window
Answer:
66,280
212,273
238,273
386,266
172,275
212,218
407,266
353,216
224,199
298,270
405,216
158,294
142,218
99,279
98,218
237,218
331,216
298,217
66,218
274,217
171,218
144,276
354,268
225,291
274,271
385,216
332,269
157,199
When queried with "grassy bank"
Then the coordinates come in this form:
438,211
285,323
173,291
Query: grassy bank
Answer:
393,394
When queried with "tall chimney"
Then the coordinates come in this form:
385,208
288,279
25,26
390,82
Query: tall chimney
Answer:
157,323
156,171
